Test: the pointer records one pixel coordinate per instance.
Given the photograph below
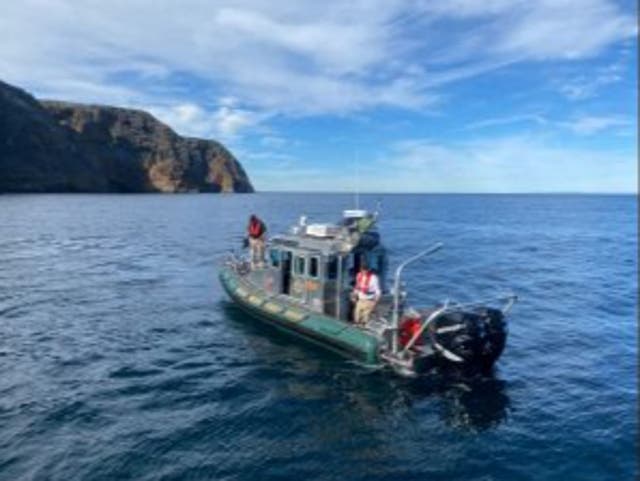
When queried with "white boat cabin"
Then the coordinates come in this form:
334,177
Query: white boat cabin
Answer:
317,264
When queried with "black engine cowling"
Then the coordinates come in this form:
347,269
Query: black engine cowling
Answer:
470,339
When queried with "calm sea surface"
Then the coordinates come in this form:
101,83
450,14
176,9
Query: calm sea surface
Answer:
120,357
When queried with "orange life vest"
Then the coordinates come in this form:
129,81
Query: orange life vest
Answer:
255,229
363,281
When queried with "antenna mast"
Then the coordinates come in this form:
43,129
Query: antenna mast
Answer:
357,193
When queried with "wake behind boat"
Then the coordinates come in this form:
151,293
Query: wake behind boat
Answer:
306,285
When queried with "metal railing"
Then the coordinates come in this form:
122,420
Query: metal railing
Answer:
396,290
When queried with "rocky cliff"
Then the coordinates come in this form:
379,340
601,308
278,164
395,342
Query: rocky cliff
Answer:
52,146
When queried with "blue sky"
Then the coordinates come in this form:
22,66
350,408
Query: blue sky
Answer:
384,96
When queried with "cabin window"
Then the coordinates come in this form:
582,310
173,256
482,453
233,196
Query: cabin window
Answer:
313,267
332,268
274,257
299,265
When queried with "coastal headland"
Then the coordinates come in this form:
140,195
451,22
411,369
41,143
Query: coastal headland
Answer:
54,146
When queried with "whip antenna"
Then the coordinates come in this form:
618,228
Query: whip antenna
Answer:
357,189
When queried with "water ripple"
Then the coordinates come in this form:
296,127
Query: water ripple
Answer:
121,359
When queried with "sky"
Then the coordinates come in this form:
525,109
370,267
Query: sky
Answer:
367,95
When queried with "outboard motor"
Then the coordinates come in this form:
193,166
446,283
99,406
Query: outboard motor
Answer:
466,338
473,339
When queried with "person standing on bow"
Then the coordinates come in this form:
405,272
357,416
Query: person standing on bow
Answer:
366,294
257,238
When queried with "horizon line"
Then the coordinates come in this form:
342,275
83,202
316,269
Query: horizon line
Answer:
445,193
327,192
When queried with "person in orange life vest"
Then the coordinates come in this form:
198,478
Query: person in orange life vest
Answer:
256,230
367,294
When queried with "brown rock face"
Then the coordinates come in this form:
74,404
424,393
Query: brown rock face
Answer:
52,146
37,154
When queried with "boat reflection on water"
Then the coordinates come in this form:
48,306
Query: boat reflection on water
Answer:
472,404
356,396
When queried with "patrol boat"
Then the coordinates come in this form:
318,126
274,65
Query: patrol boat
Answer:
304,288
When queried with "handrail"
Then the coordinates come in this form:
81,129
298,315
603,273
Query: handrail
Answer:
508,299
396,290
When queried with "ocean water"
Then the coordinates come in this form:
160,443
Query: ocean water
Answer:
121,358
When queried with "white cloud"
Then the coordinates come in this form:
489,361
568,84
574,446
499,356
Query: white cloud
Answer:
273,141
566,29
229,120
590,124
511,163
333,44
298,58
223,122
502,164
582,88
538,30
581,125
507,120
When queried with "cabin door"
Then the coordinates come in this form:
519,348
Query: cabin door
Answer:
286,272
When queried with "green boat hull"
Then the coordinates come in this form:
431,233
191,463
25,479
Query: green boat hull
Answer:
329,332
